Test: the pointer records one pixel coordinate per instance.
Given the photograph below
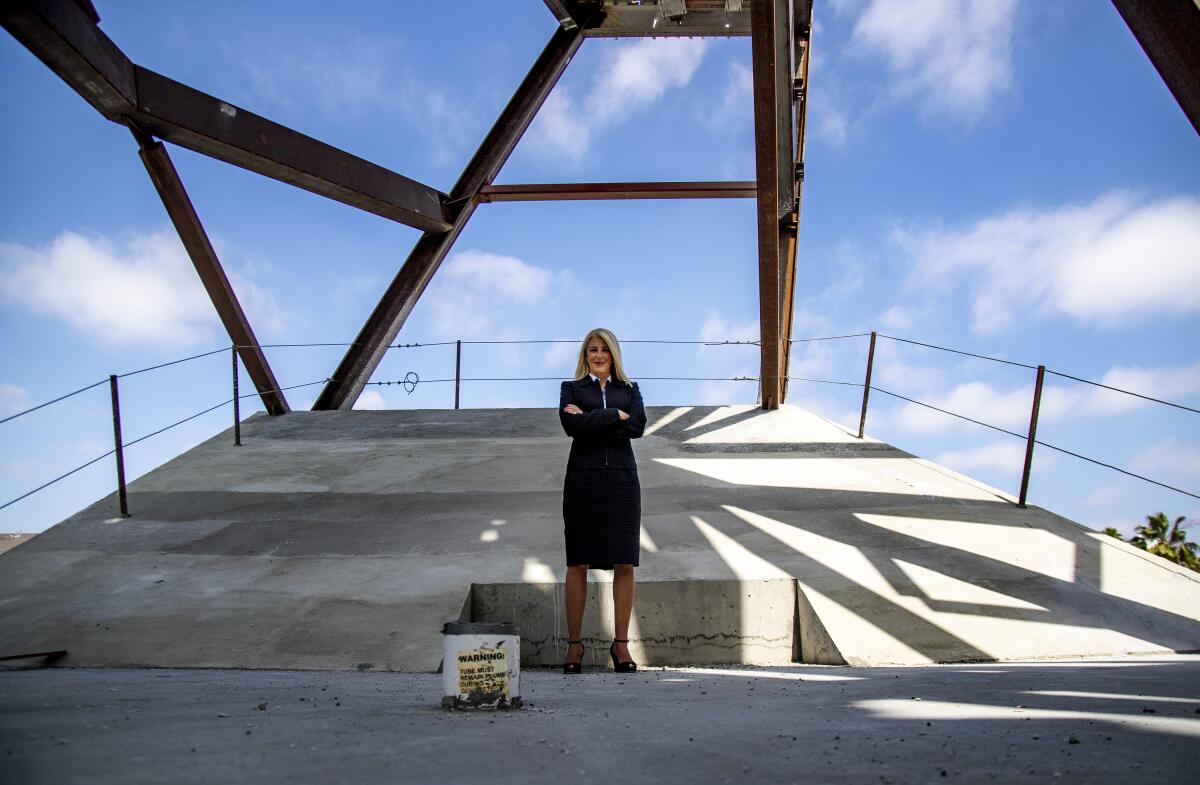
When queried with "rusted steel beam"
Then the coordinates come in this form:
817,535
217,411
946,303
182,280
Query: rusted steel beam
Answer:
208,266
801,40
646,21
563,14
1169,32
770,45
65,37
200,122
406,288
743,189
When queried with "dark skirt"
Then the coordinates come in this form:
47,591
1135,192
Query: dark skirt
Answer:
602,513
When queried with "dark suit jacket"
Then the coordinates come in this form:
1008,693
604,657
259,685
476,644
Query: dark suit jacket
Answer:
600,438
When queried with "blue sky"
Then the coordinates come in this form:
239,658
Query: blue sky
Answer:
1004,177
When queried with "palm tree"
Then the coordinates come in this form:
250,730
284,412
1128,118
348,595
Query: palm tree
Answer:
1112,532
1160,536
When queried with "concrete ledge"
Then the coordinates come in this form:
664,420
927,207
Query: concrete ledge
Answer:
701,622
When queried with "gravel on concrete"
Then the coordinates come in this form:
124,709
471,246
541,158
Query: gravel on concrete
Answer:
1092,721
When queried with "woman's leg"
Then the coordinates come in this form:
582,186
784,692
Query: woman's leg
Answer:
622,606
576,598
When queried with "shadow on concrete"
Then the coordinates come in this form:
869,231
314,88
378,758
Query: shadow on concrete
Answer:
1075,602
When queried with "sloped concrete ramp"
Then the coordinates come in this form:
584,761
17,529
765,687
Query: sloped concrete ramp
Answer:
345,540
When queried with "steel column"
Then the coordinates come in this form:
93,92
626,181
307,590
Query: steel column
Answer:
802,26
862,419
1169,32
208,266
771,52
431,249
119,449
1033,420
457,370
237,409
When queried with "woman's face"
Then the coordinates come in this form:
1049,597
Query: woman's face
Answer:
599,358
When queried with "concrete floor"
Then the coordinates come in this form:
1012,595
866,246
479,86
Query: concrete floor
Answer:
1116,721
336,540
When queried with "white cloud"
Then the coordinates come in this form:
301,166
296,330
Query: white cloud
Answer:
1011,409
370,399
1172,456
898,317
560,355
1104,497
640,72
13,399
631,77
832,126
561,126
1000,456
482,295
138,288
724,393
977,400
718,328
1169,384
737,105
1113,262
954,56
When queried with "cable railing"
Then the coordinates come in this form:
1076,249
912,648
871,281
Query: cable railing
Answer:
411,381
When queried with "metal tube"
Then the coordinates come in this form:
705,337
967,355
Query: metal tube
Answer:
862,420
1033,418
120,452
457,370
237,409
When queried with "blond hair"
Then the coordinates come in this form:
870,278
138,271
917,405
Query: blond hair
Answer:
617,371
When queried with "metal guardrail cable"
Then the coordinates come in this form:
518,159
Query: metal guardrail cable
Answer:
56,400
1127,392
173,362
175,424
946,411
826,338
1117,468
218,406
290,345
630,340
257,393
959,351
1043,444
561,379
56,479
823,381
141,438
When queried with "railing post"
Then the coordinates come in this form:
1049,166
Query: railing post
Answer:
237,410
120,452
1033,418
862,420
457,369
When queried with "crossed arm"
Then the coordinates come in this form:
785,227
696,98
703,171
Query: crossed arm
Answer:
618,422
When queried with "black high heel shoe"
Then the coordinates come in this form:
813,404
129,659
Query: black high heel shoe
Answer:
577,666
626,666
